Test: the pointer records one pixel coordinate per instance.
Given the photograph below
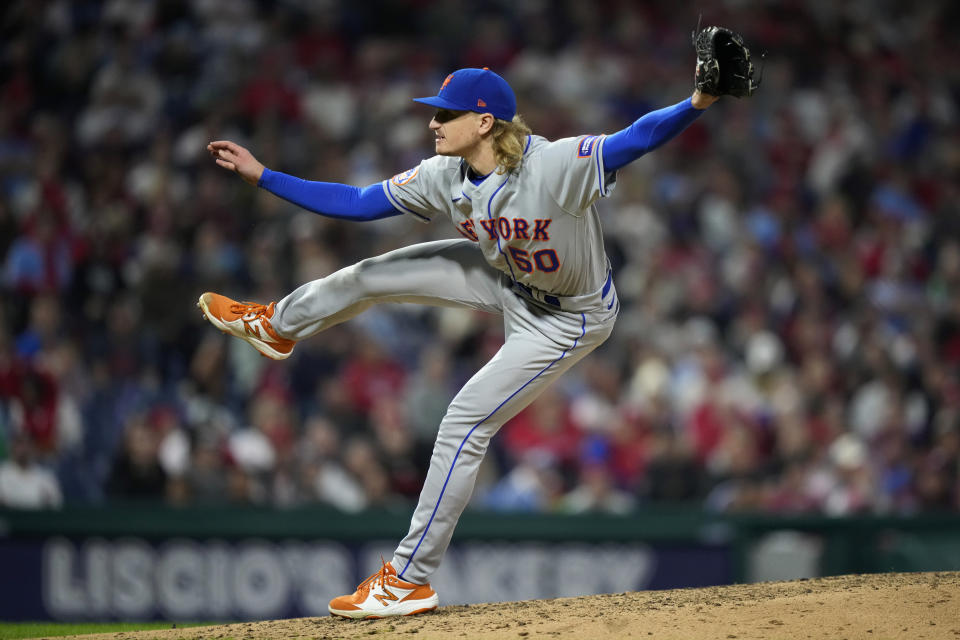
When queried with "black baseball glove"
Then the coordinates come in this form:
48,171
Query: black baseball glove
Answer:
723,63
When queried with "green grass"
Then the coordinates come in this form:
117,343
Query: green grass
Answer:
16,630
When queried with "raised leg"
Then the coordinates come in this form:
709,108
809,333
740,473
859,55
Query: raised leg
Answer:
442,273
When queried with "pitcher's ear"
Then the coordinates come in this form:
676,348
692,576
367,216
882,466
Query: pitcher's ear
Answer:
486,122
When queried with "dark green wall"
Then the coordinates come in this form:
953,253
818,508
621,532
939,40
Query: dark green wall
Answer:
850,545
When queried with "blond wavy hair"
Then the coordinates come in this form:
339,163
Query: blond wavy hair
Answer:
509,141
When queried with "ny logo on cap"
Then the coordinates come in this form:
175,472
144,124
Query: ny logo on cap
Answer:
446,82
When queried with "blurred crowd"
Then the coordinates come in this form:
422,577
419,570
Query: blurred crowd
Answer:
789,267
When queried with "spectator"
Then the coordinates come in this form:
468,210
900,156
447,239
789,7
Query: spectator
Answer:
136,472
206,474
596,492
25,484
39,259
370,374
673,474
544,430
427,395
533,484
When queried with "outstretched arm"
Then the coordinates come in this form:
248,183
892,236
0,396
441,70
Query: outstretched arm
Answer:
652,130
330,199
326,198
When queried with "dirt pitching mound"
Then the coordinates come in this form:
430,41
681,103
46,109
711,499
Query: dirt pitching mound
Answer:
901,605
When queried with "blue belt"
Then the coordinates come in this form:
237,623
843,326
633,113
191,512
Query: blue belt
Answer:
554,301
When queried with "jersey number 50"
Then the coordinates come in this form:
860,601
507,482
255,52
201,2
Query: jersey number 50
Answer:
546,260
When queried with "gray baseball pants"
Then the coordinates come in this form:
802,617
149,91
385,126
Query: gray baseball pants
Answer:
541,342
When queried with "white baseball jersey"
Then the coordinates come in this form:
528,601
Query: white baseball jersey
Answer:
537,224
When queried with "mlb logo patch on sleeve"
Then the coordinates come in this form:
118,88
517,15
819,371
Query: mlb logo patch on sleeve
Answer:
403,178
586,147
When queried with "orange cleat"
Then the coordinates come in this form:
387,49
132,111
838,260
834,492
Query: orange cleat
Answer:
384,594
248,321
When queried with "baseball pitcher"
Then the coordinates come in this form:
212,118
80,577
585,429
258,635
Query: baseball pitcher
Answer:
531,250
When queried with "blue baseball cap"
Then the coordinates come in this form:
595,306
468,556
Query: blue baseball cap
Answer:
478,90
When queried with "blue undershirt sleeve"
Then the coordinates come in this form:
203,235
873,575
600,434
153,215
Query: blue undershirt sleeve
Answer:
646,134
330,199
